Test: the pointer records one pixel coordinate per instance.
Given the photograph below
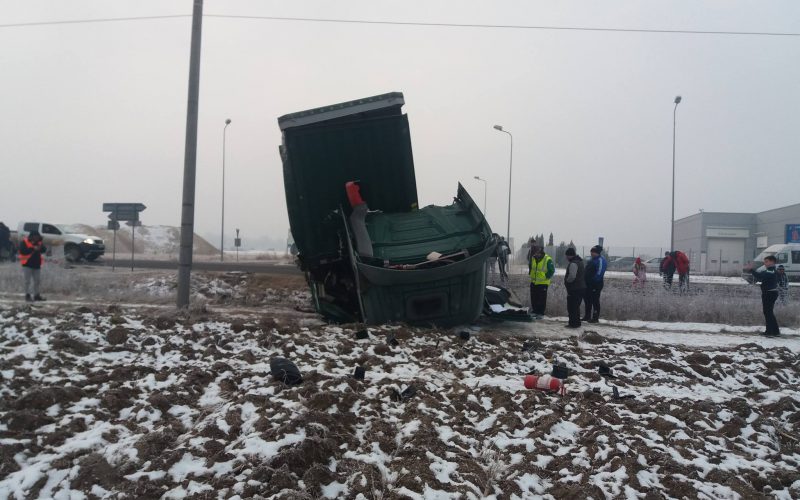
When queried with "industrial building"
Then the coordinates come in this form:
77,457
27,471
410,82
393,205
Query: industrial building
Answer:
722,242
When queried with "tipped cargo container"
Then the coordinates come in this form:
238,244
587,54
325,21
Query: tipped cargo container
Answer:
370,254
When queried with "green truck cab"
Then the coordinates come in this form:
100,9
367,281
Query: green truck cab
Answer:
392,261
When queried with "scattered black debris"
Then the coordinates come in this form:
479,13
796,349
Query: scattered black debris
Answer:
560,371
285,371
362,334
605,371
407,393
463,335
359,373
392,340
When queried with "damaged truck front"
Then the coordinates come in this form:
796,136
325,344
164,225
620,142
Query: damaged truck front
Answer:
369,252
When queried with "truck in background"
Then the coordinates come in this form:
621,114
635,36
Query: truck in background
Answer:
786,255
58,239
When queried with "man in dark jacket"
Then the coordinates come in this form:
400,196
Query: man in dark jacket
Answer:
667,270
574,282
30,256
682,267
594,272
769,294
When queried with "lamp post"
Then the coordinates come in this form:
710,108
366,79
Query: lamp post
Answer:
510,165
485,185
672,224
222,232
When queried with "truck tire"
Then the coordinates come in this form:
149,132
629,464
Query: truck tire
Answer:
73,253
92,258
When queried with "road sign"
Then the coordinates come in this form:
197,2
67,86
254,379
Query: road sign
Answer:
123,207
113,225
237,242
134,223
123,216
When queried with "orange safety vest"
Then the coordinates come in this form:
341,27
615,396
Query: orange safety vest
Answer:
23,259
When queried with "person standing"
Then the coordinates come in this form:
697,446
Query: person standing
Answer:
594,272
493,257
575,284
682,267
783,286
31,250
502,257
667,270
769,294
639,273
542,270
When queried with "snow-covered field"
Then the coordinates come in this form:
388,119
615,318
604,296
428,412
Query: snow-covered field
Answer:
137,402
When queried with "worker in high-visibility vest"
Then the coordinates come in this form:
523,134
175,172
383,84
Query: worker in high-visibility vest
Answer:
541,270
31,251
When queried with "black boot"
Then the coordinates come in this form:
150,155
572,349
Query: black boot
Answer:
28,298
595,319
38,297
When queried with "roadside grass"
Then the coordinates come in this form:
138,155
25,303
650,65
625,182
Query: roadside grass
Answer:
705,303
81,283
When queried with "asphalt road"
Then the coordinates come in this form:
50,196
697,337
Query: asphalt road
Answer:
250,266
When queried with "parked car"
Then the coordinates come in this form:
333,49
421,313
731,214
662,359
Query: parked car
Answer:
787,255
622,264
653,265
75,246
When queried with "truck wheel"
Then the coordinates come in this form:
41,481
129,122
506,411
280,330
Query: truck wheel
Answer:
73,253
92,258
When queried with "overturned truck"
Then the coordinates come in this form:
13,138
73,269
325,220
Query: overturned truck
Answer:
370,254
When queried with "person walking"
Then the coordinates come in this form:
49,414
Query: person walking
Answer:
594,271
769,294
31,250
667,270
639,273
682,267
574,282
542,269
783,286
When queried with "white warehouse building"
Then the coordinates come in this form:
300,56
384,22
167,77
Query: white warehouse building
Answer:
723,242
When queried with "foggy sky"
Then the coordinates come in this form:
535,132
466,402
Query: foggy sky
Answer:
95,113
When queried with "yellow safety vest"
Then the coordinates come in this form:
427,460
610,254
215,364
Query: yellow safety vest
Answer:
539,270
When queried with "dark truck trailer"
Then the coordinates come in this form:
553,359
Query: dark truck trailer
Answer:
421,265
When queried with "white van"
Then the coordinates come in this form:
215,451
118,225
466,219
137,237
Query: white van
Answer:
787,255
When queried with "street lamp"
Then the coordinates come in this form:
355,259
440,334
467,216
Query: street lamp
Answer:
485,184
510,164
674,124
222,232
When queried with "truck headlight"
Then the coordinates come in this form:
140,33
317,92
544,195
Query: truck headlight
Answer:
89,241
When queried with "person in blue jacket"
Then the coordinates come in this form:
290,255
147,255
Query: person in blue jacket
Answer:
769,294
595,270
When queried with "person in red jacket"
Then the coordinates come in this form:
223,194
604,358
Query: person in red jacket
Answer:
682,267
31,253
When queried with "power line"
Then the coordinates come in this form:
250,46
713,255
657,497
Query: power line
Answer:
505,26
412,23
84,21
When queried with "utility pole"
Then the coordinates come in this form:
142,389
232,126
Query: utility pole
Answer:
190,159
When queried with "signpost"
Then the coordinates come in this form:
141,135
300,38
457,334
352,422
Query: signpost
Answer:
125,212
792,233
237,243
